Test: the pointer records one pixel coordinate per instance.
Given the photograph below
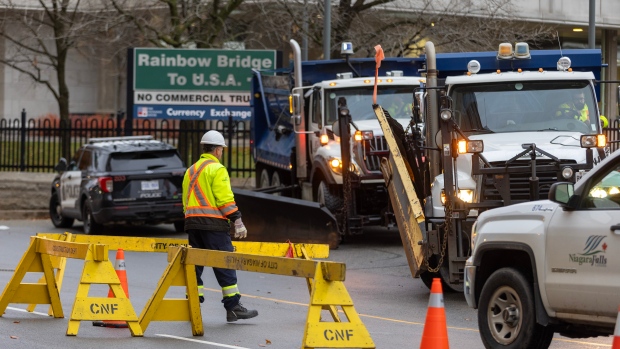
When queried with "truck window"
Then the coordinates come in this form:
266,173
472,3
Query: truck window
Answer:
316,109
526,106
605,193
359,102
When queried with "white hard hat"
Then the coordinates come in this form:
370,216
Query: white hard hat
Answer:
213,137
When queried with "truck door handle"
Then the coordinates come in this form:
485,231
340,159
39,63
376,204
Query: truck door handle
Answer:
615,229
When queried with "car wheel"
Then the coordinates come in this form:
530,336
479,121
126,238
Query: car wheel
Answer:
179,226
325,197
58,219
506,313
90,226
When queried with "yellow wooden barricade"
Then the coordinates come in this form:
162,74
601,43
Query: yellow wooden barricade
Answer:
97,270
148,244
327,292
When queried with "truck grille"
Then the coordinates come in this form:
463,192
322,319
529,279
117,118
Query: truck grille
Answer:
374,149
519,182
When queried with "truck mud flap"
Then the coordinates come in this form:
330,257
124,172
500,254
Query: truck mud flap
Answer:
271,218
405,203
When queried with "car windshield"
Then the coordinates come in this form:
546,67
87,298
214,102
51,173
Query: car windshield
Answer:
143,161
395,99
526,106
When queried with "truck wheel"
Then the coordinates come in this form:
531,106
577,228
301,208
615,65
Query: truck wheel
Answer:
327,198
506,313
443,273
275,181
263,181
427,278
90,226
57,218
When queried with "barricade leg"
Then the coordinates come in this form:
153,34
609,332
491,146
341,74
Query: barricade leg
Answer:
332,309
158,308
320,334
119,308
44,292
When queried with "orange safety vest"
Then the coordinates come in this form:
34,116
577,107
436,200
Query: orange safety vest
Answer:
207,191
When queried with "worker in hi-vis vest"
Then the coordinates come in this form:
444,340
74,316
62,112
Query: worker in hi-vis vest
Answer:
575,109
209,206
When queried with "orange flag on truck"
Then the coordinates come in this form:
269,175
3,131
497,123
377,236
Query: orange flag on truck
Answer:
379,56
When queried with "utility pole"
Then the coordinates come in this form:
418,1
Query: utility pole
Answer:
592,24
327,29
304,37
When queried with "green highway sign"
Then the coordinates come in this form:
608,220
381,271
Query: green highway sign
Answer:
198,69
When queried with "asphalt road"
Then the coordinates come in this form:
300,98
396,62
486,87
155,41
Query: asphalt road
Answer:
391,304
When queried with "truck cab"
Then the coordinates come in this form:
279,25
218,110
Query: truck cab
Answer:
298,138
367,145
508,110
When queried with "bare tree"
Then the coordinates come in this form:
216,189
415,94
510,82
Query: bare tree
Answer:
400,26
181,23
40,35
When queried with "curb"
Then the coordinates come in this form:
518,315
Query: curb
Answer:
34,206
7,215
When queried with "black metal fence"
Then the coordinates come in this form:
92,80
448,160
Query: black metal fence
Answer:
34,145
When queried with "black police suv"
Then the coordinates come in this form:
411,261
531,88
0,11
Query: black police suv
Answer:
119,180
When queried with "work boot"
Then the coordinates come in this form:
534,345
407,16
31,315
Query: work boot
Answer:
239,312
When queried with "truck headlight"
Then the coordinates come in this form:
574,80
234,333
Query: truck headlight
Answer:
466,195
470,146
593,141
336,165
567,173
363,135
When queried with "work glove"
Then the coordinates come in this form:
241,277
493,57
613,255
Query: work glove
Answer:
240,231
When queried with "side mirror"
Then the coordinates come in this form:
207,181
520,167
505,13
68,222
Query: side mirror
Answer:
61,166
418,107
295,106
562,193
336,128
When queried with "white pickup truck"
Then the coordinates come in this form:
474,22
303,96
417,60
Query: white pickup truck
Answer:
549,266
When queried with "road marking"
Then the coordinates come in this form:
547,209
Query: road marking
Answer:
340,311
401,321
3,227
201,342
26,311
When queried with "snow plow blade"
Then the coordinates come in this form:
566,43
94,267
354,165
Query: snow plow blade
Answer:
405,203
271,218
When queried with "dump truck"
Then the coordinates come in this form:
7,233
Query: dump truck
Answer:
299,145
489,129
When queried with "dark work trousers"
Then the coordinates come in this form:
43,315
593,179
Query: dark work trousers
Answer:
220,241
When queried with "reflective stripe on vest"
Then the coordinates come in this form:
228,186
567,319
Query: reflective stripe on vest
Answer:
205,209
230,291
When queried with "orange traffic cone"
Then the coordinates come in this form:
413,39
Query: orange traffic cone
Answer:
435,335
616,343
122,276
